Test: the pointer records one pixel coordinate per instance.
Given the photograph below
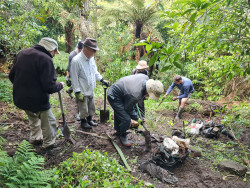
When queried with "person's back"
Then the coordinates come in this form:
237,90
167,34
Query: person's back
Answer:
34,79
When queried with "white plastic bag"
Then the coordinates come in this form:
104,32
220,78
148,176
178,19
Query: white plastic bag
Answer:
194,128
171,145
181,142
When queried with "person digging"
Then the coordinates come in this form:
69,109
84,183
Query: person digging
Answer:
186,88
124,94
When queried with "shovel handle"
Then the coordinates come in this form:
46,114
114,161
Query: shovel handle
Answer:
139,113
61,106
105,93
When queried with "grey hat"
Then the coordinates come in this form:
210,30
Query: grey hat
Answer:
49,44
91,43
154,89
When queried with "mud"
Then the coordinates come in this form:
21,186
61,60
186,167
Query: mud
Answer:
192,173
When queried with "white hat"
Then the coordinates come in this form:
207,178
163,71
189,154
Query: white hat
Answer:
142,65
154,89
49,44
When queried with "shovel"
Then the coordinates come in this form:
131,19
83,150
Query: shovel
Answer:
104,114
65,128
145,133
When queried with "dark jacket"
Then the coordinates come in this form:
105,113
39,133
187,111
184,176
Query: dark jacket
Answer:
34,78
130,89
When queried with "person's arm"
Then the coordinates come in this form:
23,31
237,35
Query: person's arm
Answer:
185,94
48,77
170,88
98,76
74,76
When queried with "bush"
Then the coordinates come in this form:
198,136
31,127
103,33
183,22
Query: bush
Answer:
5,90
25,169
92,169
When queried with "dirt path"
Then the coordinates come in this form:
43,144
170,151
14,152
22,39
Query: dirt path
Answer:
192,173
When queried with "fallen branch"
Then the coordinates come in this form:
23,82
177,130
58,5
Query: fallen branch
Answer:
92,134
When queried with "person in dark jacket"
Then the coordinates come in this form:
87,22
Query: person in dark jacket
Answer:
34,77
186,88
124,94
141,68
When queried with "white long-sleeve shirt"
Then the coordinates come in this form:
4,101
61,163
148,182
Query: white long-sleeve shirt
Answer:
84,74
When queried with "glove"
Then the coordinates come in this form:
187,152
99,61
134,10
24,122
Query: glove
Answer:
134,124
79,96
105,82
68,81
174,98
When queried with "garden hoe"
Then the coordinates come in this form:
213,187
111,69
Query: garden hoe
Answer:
145,133
104,114
65,128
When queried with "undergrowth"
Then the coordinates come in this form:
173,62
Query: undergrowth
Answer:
25,169
93,169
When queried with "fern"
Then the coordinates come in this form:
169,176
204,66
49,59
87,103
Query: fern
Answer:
25,169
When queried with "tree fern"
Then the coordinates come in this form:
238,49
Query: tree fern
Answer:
25,169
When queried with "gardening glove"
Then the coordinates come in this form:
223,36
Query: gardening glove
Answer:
68,81
134,124
174,98
105,82
79,96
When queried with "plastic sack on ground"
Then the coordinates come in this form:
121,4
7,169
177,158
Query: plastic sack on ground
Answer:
181,142
171,146
194,128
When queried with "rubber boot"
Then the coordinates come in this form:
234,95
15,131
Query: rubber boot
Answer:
178,116
124,139
91,122
84,124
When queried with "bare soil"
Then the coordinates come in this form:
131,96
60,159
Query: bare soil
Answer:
192,173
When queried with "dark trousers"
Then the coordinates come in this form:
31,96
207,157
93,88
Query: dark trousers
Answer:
122,118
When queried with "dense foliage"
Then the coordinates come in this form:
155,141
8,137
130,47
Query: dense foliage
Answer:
93,169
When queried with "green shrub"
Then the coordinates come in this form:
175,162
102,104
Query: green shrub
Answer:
25,169
92,169
61,62
5,90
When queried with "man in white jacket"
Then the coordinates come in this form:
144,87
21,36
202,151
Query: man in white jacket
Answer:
83,76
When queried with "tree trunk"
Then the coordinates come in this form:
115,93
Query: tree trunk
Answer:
138,30
69,35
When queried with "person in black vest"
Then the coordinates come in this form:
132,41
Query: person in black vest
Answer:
34,78
124,94
141,68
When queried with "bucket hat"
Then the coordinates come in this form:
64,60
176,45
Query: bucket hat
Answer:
91,43
142,65
49,44
154,89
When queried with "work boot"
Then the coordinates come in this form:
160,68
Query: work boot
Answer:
84,124
178,116
91,122
124,139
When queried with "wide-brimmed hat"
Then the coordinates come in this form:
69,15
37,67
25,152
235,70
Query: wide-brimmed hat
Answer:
49,44
154,89
91,43
142,65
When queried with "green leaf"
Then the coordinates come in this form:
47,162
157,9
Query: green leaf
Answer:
205,5
152,59
176,24
178,65
161,6
184,26
148,39
193,17
140,44
188,11
148,47
170,50
177,57
166,68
